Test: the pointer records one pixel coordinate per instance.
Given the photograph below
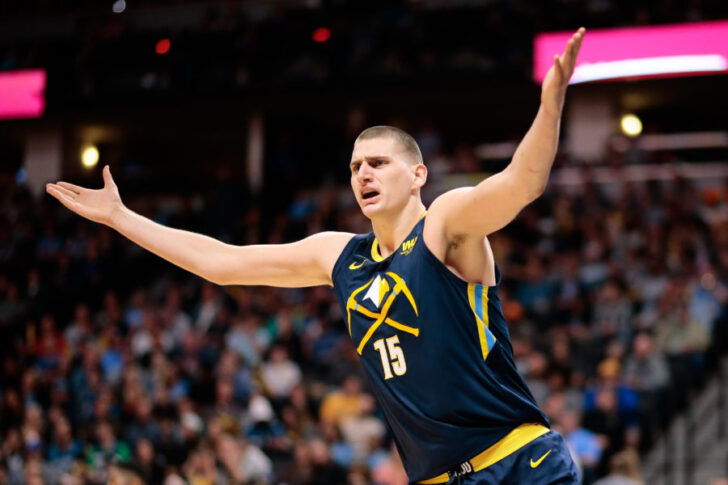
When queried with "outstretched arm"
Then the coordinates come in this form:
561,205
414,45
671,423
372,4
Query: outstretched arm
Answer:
308,262
494,202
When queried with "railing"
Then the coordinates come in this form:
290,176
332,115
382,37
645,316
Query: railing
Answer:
689,447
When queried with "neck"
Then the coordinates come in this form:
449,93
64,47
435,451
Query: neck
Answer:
391,229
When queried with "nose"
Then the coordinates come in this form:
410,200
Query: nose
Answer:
365,173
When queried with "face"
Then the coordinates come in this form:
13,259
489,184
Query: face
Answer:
382,177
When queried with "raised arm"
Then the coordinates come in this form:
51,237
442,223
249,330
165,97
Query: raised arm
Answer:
308,262
494,202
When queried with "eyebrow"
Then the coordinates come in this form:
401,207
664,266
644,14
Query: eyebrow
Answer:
371,159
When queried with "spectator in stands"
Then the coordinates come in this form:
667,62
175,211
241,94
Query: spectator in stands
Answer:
51,345
101,454
34,473
142,426
280,374
623,470
79,329
612,313
208,308
610,408
348,402
583,443
324,470
645,370
681,337
12,307
64,450
151,463
648,373
362,430
200,467
11,411
243,462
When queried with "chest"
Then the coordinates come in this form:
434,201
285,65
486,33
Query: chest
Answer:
388,294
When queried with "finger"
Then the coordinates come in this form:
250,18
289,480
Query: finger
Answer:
73,188
569,58
578,38
574,42
62,198
568,52
558,69
68,193
108,180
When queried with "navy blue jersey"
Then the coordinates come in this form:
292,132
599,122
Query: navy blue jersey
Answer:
436,350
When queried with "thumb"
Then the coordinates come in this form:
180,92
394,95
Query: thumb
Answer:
108,180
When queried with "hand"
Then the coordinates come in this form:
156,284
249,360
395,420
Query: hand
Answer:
96,205
553,89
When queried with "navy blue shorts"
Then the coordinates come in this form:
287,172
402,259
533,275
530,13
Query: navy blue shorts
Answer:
544,461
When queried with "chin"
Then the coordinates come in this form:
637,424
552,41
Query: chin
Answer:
371,210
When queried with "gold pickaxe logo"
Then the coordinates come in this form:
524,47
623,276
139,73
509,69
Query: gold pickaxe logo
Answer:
378,289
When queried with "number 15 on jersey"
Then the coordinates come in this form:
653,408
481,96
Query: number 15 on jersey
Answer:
392,356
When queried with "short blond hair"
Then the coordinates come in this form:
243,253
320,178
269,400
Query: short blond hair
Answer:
408,143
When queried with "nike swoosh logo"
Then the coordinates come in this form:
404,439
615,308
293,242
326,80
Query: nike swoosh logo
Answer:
536,463
357,266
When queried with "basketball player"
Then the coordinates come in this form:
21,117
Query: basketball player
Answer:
419,294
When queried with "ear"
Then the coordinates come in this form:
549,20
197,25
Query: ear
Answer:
420,175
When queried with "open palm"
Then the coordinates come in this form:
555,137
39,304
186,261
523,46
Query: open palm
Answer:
553,89
96,205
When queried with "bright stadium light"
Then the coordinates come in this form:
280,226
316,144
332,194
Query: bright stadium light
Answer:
631,125
90,156
118,6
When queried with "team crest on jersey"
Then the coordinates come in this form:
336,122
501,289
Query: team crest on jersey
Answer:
409,245
380,293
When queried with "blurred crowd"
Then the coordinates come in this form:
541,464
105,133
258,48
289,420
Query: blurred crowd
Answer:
116,364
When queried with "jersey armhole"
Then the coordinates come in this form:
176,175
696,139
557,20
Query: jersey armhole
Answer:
348,249
431,256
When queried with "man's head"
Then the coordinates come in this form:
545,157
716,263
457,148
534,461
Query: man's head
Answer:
642,346
386,170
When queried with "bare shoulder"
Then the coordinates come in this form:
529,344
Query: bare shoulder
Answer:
442,208
329,243
328,246
435,233
453,196
332,237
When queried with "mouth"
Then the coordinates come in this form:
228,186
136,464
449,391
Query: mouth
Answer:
369,197
369,194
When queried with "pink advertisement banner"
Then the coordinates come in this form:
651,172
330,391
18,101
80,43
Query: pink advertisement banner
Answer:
640,52
22,94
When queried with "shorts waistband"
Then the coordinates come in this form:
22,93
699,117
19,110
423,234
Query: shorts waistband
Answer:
513,441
